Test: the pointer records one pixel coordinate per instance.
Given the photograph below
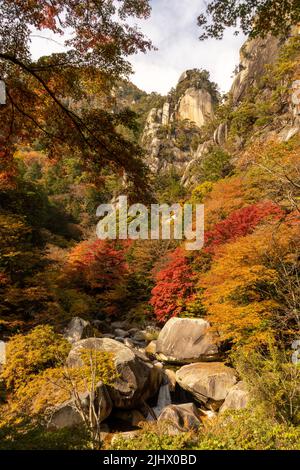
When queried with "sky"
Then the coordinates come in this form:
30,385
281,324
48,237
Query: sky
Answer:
173,29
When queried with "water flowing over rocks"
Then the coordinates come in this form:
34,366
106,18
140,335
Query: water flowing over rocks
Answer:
148,390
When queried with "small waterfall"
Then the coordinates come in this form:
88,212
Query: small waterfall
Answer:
164,399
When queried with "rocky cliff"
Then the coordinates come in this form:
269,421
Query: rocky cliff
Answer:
258,106
172,132
196,106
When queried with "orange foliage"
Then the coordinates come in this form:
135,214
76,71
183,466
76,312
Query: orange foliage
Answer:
240,289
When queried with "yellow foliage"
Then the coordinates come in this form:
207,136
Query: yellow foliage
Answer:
240,288
54,386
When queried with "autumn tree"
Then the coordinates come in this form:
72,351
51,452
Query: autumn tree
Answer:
239,223
174,286
255,17
99,268
251,291
50,99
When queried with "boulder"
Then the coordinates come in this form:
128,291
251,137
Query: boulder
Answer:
102,326
78,329
186,340
237,398
151,348
128,343
123,325
121,333
207,382
67,416
139,336
132,331
180,418
138,378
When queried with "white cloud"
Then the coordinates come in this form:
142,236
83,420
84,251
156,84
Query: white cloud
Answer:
173,29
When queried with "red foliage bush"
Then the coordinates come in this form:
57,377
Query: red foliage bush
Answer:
99,264
174,287
239,224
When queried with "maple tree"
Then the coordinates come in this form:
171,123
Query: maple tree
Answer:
50,99
243,293
174,286
239,223
255,17
100,268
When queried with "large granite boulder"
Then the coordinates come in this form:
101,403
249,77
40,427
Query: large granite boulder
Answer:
138,378
67,414
237,398
180,418
207,382
78,329
185,340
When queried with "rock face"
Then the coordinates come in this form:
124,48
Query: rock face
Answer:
164,143
138,378
66,415
78,329
180,418
196,106
157,145
207,382
186,340
237,398
254,56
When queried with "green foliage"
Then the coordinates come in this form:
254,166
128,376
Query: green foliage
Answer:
154,437
201,191
237,430
273,381
169,188
199,79
248,430
215,165
26,435
257,18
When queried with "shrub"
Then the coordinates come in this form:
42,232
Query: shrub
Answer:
201,191
239,223
29,355
99,268
154,437
273,381
248,430
235,430
54,386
